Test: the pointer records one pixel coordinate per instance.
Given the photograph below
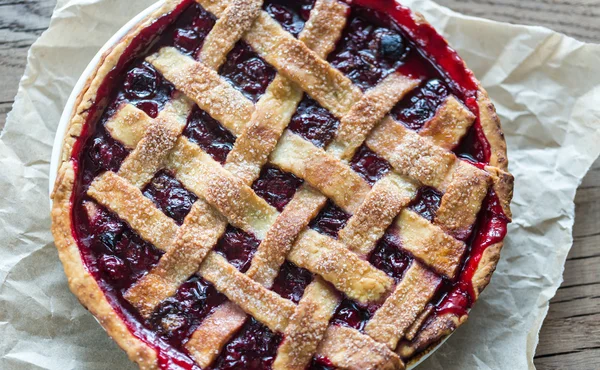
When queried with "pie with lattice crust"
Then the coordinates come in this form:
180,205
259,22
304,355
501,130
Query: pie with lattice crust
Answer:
310,184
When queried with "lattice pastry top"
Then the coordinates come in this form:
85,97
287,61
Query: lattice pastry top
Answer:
281,184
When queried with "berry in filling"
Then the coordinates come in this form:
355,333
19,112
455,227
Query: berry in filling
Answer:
369,165
103,153
389,257
178,316
145,88
350,314
314,123
189,31
238,247
122,257
330,220
253,348
276,186
290,14
170,196
427,202
291,281
247,72
209,134
367,53
421,105
321,363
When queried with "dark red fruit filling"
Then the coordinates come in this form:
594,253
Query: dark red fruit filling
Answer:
473,146
253,348
351,314
276,186
321,363
209,134
292,281
369,165
177,317
427,202
170,196
389,257
421,105
103,153
247,72
144,87
330,220
121,256
314,123
189,31
238,247
367,53
290,14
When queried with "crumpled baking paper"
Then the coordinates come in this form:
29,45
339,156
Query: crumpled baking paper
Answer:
546,88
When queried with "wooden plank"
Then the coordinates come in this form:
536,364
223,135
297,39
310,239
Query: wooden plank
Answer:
580,360
577,18
567,335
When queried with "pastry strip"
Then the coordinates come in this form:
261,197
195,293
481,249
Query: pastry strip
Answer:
127,201
326,257
402,307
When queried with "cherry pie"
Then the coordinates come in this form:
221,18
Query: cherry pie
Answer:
308,184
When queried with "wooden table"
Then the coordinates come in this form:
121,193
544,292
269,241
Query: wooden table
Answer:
570,337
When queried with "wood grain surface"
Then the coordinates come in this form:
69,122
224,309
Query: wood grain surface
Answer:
570,337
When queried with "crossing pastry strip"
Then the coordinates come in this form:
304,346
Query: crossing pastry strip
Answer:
264,305
209,180
429,243
306,327
229,28
381,205
127,201
128,125
449,125
321,170
458,209
276,107
368,111
347,348
195,238
271,253
214,332
402,307
294,60
326,257
149,155
205,87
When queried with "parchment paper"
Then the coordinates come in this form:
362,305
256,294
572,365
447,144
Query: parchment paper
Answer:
546,88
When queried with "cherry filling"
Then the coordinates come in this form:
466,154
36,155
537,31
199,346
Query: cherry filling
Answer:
351,314
253,348
372,47
120,255
276,186
427,202
389,257
247,72
369,165
290,14
170,196
238,247
177,317
330,220
321,363
209,134
292,281
367,53
421,105
314,123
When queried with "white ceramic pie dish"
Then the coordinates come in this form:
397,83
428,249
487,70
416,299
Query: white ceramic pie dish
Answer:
70,105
